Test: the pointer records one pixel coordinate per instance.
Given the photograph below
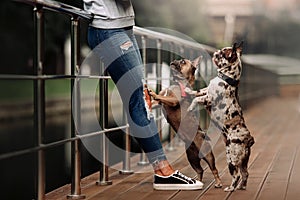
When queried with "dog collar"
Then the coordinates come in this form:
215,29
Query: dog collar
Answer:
227,79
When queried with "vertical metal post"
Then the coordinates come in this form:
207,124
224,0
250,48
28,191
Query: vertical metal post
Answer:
230,20
158,84
76,108
205,76
126,162
171,131
143,159
103,98
39,98
182,52
212,70
191,54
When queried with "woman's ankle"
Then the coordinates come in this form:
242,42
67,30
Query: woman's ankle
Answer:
163,168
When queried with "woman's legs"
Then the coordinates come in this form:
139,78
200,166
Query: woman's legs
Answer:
119,51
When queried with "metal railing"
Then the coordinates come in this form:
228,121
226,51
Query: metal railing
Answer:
166,48
185,48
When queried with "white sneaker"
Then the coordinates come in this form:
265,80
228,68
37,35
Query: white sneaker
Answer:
176,181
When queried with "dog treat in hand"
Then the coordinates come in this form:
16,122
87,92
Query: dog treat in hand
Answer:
147,97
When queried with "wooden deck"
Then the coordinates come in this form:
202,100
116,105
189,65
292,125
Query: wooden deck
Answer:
274,165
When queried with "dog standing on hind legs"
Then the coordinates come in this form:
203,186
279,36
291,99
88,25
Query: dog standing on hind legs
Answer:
221,99
175,103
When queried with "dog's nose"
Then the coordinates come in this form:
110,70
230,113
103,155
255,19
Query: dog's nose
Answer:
175,66
175,63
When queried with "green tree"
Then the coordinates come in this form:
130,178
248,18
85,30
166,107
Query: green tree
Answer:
16,38
183,16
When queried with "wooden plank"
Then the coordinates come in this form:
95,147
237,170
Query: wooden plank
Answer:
123,186
293,191
276,183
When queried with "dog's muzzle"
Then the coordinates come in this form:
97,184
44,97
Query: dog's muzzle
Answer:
175,66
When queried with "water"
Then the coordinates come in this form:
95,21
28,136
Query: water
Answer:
18,173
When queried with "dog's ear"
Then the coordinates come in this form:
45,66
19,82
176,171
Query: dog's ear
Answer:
197,61
238,47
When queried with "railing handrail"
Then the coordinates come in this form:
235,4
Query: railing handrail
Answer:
71,10
59,7
172,39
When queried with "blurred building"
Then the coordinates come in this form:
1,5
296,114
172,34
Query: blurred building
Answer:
229,19
275,8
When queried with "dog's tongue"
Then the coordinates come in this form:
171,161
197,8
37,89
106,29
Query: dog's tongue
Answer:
182,88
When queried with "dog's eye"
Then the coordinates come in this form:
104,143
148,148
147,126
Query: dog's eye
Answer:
182,62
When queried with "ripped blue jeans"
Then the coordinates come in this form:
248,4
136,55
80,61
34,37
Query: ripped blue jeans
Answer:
119,51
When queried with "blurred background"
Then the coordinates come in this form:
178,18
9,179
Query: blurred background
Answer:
269,28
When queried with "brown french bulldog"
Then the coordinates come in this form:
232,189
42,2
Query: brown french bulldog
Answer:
175,103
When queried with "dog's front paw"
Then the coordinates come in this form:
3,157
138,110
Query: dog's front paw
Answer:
190,91
191,107
229,189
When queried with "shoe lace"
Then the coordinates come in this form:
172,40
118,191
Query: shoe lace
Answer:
184,176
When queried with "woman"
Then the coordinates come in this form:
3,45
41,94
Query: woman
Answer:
110,35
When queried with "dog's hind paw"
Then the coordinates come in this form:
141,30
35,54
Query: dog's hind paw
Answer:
241,187
229,189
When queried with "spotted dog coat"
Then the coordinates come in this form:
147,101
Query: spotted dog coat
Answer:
221,99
